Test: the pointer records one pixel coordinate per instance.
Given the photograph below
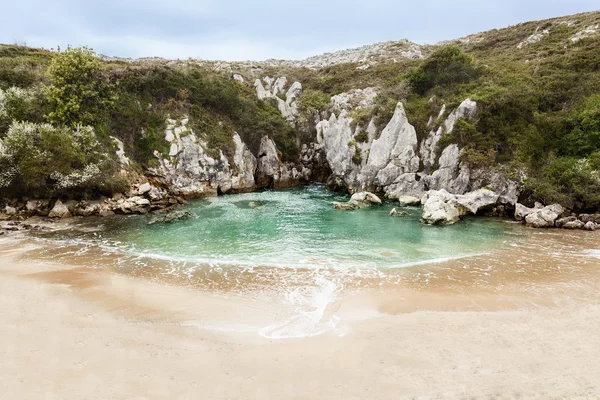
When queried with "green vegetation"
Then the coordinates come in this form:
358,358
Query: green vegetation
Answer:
49,99
78,92
446,66
42,160
538,104
313,101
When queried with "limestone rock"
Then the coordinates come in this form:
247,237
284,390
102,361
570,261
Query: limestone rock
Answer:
521,212
590,226
478,200
576,224
336,184
10,210
123,159
355,99
59,211
560,223
144,188
394,152
407,201
85,208
396,213
544,218
37,206
357,201
440,207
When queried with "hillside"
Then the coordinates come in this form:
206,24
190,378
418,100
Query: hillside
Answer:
536,87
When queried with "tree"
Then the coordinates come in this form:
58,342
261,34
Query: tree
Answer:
79,92
585,135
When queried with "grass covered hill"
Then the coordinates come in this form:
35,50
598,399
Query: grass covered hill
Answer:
537,85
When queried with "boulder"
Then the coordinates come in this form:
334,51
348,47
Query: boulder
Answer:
440,207
358,200
595,218
60,211
521,212
144,188
563,221
590,226
576,224
8,210
407,201
546,217
396,213
155,194
37,206
85,209
478,200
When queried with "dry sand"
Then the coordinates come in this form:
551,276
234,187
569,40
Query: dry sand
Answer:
68,332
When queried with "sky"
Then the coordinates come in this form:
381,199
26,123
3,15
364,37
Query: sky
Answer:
236,30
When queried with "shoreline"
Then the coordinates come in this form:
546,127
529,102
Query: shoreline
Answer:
98,334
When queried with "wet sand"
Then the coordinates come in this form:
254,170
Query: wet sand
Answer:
461,329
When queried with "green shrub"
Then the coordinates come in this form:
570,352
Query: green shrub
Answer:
448,65
78,92
20,105
313,101
357,156
362,137
584,137
569,181
39,159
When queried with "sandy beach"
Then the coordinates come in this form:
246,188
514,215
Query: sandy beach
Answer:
73,332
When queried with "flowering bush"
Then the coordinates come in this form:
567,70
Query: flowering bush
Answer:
19,104
42,158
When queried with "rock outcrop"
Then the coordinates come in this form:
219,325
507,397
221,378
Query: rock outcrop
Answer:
190,171
555,216
59,211
396,164
442,207
357,201
286,100
544,217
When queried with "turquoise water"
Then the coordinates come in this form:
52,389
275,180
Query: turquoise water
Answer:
291,251
299,228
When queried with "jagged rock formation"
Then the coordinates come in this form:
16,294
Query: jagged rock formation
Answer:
189,171
275,89
397,165
354,99
441,207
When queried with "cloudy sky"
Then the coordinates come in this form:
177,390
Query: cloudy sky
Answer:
259,29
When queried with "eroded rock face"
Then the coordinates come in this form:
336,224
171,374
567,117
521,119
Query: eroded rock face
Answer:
190,171
478,200
286,100
355,99
429,150
397,165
